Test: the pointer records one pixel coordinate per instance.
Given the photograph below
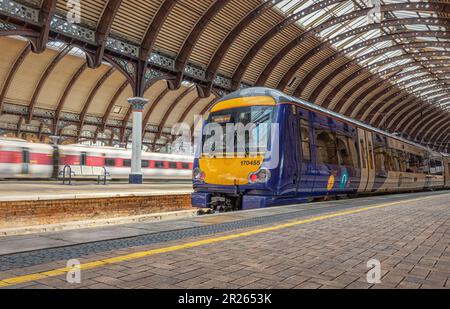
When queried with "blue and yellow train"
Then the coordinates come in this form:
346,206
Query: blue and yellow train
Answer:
302,151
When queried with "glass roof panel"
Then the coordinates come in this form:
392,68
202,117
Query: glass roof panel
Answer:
317,18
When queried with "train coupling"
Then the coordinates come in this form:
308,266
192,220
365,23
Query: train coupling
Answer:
226,203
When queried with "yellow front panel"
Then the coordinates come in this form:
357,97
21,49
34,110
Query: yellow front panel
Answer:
243,102
229,171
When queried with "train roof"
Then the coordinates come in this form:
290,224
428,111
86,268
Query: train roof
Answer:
281,97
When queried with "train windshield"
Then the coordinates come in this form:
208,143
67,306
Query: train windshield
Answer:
243,131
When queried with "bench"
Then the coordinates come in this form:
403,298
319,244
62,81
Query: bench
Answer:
70,173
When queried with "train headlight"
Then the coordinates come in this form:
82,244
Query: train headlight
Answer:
197,174
261,176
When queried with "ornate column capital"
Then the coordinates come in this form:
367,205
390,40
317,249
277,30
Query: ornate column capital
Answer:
138,103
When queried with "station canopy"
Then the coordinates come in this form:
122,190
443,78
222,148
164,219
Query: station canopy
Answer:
67,68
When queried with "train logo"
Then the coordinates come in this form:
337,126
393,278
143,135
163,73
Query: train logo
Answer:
331,182
345,181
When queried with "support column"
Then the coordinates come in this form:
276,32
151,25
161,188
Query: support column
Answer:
137,104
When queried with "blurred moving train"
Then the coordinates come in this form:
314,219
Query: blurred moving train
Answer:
315,153
20,159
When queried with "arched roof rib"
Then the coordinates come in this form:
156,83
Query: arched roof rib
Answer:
323,51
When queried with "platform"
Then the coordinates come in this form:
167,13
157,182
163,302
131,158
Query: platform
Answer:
29,207
316,245
54,190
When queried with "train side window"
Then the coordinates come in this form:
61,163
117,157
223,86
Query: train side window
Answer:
185,166
127,163
437,170
414,163
401,160
306,141
380,158
159,164
353,146
173,165
439,167
343,150
326,147
389,163
145,163
363,153
110,162
83,159
395,161
294,109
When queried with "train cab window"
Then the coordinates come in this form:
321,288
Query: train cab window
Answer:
326,147
306,141
145,163
110,162
173,165
127,163
83,159
159,164
185,166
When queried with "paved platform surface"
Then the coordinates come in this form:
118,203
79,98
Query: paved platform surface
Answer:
49,190
320,245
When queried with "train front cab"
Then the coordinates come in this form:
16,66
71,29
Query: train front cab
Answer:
237,177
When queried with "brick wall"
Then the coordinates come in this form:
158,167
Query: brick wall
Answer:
27,213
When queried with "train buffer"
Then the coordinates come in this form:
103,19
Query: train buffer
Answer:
79,172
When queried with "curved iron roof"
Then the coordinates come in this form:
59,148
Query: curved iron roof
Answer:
385,63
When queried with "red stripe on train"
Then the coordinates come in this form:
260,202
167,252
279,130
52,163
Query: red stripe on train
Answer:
15,157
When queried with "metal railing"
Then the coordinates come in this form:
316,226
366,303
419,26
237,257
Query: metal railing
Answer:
64,174
67,175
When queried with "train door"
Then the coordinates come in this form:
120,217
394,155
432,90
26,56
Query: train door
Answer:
371,162
56,162
365,144
25,161
83,159
447,171
291,160
306,177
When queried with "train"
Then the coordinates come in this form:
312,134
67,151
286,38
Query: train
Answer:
303,152
20,159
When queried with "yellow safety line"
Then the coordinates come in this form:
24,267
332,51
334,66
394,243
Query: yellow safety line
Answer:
142,254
